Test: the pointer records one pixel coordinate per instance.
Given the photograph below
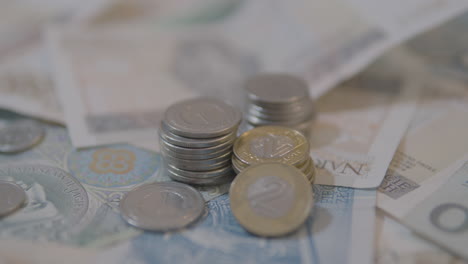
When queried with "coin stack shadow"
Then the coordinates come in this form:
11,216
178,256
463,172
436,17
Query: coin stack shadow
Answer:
273,144
279,99
196,139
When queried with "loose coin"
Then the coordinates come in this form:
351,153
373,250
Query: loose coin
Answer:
12,197
272,144
201,118
162,206
271,199
20,136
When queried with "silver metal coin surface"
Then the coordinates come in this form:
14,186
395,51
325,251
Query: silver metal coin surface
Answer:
198,166
20,136
186,142
201,174
186,163
202,118
12,197
197,151
276,88
162,206
212,155
202,181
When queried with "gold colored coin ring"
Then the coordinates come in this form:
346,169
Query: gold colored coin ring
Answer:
262,225
294,157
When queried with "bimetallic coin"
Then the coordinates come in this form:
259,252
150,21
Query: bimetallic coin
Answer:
271,199
239,164
162,206
194,142
12,197
20,136
272,144
276,88
201,118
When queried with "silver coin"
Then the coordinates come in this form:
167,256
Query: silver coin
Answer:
162,206
202,181
202,118
12,197
174,139
20,136
264,122
203,167
283,114
200,163
212,155
291,108
276,89
201,174
196,151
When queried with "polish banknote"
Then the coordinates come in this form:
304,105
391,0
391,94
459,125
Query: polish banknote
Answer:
442,216
25,78
340,230
117,93
362,121
427,171
74,195
397,244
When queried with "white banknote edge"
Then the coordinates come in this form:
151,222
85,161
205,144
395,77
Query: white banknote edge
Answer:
390,134
401,207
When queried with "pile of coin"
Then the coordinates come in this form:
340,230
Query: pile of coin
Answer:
279,99
270,199
196,138
273,144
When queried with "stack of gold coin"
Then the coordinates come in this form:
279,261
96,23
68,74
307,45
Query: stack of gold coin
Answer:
273,144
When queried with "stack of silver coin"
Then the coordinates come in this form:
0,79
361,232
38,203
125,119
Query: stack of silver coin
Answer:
196,139
279,99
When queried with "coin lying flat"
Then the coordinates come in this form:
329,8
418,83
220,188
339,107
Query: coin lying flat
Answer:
271,199
12,197
162,206
20,136
201,118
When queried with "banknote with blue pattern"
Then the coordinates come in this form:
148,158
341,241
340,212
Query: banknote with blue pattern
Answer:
74,195
340,230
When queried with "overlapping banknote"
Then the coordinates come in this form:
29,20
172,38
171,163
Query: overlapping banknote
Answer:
249,36
426,184
113,83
